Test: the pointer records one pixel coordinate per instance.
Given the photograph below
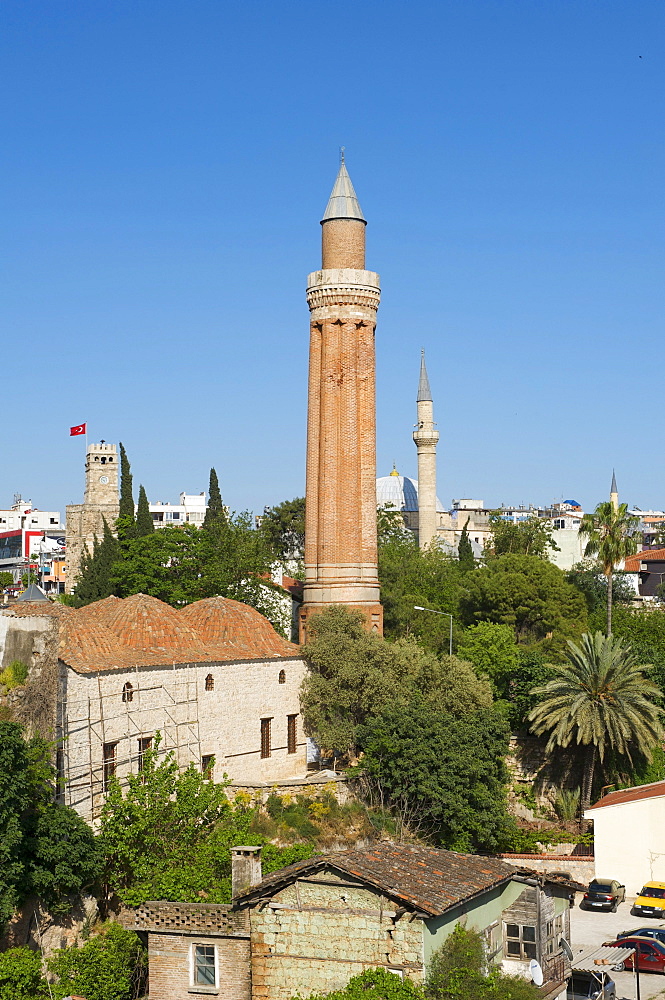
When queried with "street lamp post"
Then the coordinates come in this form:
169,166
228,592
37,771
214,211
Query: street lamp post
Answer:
416,607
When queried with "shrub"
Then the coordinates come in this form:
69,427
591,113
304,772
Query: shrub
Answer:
110,966
15,674
21,975
567,804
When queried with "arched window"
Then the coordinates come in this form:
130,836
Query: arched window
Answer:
210,683
128,692
282,677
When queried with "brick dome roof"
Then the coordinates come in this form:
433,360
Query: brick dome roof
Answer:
222,621
117,634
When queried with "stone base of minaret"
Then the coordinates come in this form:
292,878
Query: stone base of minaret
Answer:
373,614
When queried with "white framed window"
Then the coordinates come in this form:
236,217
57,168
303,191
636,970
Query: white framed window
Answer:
204,971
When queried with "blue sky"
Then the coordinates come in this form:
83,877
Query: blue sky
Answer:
164,171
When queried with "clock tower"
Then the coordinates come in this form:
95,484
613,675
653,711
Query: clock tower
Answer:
85,521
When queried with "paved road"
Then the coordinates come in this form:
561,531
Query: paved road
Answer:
589,928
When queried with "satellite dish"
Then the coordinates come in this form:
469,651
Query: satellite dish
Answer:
536,972
567,950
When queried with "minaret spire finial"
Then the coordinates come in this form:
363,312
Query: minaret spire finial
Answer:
341,154
424,391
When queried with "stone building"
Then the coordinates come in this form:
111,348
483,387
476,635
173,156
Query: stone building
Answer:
214,679
85,521
309,927
340,529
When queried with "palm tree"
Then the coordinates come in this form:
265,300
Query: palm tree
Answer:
610,530
600,699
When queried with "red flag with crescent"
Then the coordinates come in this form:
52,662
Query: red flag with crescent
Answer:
79,429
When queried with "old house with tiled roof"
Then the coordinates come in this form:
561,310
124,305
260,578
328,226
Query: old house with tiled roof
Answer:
214,679
308,928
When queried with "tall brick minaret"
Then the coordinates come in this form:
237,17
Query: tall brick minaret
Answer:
340,519
426,437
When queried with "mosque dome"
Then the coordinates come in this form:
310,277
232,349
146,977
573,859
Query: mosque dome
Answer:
401,492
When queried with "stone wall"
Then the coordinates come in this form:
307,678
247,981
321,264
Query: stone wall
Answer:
193,721
318,932
580,869
34,641
84,523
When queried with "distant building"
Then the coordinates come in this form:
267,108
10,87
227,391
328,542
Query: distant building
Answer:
630,818
645,571
85,521
191,510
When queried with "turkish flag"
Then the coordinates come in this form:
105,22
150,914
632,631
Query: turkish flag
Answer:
80,429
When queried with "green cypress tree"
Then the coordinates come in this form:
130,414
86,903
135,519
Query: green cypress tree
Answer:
126,522
215,511
94,581
144,522
465,551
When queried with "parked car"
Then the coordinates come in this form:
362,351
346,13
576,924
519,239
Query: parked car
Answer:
650,901
591,986
658,933
603,894
650,954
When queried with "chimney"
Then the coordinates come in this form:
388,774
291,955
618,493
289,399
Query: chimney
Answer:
245,869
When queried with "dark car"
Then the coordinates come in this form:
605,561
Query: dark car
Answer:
658,933
603,894
650,954
590,986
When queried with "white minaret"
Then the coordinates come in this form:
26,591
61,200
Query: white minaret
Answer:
426,437
614,493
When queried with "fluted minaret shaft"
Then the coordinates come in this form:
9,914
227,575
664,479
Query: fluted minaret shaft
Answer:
426,437
340,518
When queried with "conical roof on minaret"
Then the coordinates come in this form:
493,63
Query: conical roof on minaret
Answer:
613,487
343,202
424,391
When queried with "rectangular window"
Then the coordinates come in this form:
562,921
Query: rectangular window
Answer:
265,737
520,941
207,765
204,965
60,774
145,742
291,733
109,756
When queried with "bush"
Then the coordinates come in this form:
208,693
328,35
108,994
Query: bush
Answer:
21,975
567,804
374,984
111,966
457,972
15,674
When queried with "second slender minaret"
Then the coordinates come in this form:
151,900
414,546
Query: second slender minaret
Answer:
426,437
614,493
340,507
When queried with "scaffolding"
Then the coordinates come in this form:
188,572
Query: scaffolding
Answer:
122,718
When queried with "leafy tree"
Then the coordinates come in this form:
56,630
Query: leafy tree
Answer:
21,975
284,529
527,593
593,585
373,984
492,650
215,510
456,972
532,671
169,835
110,966
6,579
144,522
179,565
410,577
465,550
441,775
33,856
354,674
599,700
95,578
532,536
612,536
126,523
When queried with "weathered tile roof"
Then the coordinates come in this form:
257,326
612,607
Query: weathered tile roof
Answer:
653,791
632,563
116,634
421,878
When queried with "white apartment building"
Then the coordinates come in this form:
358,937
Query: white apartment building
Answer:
190,510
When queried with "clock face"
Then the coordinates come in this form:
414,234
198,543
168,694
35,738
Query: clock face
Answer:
103,480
